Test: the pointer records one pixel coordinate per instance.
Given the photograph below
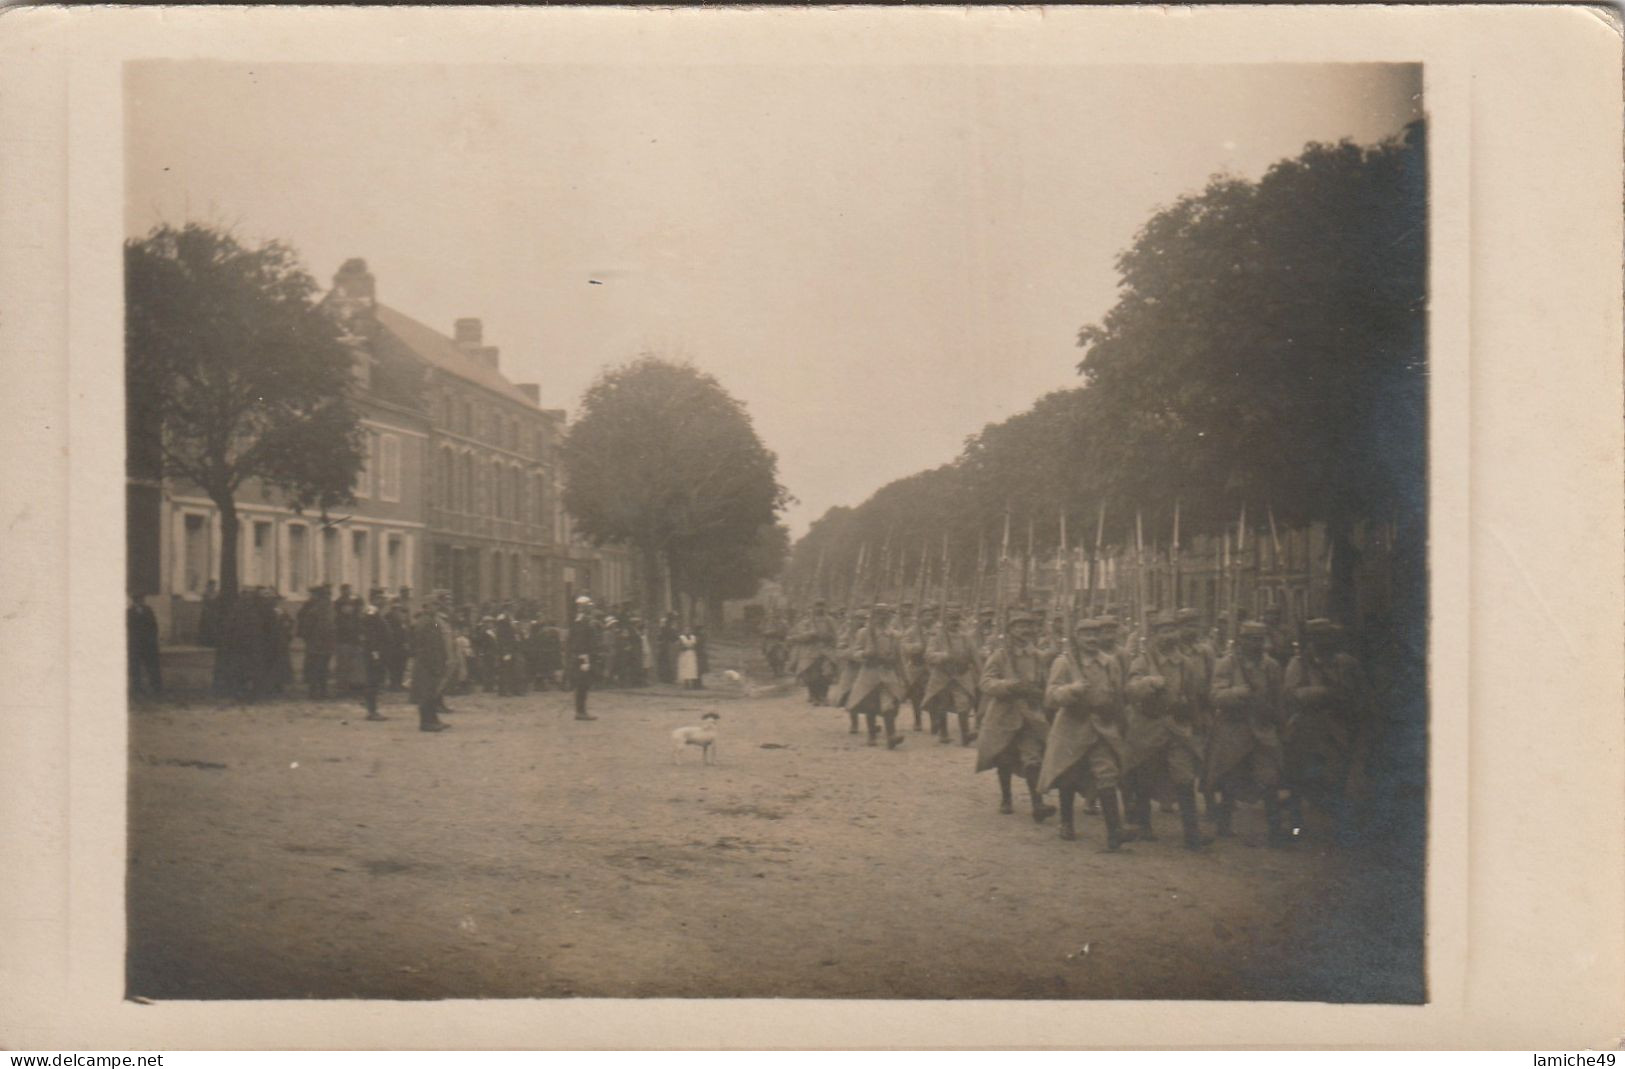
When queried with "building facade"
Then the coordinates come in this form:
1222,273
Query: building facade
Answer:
460,492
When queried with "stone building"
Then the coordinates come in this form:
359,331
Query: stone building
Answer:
461,489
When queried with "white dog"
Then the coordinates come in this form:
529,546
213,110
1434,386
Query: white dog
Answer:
704,736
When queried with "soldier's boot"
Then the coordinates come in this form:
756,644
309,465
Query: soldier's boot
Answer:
1194,839
874,729
1116,834
1006,799
893,739
1140,809
1041,810
966,735
372,705
918,722
1279,838
1224,817
428,721
854,718
1067,831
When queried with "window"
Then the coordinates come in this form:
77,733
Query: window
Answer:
369,464
389,467
495,475
518,482
332,562
393,572
298,558
538,499
264,568
359,570
196,552
465,479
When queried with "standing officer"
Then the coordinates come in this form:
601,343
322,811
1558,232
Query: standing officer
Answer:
433,662
582,649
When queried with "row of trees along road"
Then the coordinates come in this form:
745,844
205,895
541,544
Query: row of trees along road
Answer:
662,458
1268,348
234,374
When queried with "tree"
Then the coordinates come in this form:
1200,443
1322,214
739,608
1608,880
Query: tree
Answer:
234,374
666,460
1269,343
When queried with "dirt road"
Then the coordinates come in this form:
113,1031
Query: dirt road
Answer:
291,850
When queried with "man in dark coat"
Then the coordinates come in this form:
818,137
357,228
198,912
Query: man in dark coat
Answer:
376,642
1014,729
1085,749
1244,759
582,648
141,633
666,650
347,663
398,619
315,626
433,660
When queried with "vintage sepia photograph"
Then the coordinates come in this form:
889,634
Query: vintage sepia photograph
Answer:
946,531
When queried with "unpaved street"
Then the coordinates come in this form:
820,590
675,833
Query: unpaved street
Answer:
291,850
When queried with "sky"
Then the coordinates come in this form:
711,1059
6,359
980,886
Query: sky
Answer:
878,261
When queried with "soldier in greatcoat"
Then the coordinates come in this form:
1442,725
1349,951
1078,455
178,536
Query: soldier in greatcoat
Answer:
950,686
912,633
878,689
846,658
813,643
582,646
1164,747
1245,755
1085,749
1328,707
1014,730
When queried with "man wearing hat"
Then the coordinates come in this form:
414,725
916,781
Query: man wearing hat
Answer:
877,689
1164,750
315,626
950,686
376,642
1084,751
812,642
1244,751
1014,729
434,661
581,649
1328,707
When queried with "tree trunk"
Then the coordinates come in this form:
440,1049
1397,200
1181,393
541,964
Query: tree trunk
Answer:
226,656
230,527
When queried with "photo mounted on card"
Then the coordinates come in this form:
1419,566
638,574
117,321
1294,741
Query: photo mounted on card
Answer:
857,506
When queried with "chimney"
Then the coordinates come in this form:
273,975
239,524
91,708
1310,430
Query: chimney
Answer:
353,282
488,353
531,390
467,332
